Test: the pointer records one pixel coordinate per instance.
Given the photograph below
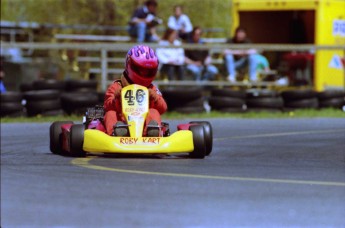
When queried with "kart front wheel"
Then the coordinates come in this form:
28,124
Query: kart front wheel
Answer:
198,141
208,135
55,131
77,140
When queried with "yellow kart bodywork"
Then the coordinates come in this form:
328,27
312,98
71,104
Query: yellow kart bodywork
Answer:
98,142
135,107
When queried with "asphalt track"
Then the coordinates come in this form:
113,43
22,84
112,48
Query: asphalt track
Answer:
261,173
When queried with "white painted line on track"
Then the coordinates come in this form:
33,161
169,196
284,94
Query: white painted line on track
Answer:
280,134
85,162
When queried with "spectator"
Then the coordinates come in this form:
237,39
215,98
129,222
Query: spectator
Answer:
199,61
144,21
2,75
181,23
240,59
172,59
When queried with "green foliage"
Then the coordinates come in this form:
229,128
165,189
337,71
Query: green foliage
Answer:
205,13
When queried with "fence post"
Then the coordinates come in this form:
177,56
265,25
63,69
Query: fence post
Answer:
104,68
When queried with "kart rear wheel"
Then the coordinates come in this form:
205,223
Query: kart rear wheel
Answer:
77,140
208,135
198,141
55,136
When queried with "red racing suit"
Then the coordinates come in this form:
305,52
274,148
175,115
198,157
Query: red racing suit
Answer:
113,110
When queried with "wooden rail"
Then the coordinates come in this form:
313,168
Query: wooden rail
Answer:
104,48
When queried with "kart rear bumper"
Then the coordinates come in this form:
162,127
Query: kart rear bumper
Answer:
98,142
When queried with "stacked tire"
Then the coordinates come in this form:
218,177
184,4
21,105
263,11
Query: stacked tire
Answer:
300,99
183,100
44,102
42,97
80,95
331,99
264,100
227,100
11,104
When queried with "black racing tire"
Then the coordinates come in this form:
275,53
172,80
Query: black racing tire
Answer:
74,102
55,143
38,107
225,102
303,103
77,140
73,85
11,96
325,95
56,112
199,141
49,84
11,109
262,93
293,95
26,86
199,102
41,95
231,110
268,110
101,96
226,92
189,110
178,94
337,102
85,90
265,102
208,135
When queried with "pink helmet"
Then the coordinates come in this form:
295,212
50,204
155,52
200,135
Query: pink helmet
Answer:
141,65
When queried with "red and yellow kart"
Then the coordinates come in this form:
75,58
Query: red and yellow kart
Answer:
194,138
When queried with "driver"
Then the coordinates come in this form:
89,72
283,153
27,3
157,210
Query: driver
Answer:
140,68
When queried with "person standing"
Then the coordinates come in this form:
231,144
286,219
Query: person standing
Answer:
142,25
180,22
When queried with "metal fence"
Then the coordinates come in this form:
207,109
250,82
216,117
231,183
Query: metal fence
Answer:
104,48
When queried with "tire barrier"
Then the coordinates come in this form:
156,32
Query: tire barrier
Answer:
264,100
300,99
331,99
77,102
184,100
42,101
53,97
49,84
11,104
227,100
81,85
100,96
26,86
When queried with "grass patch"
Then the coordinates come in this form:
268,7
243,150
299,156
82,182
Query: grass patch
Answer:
301,113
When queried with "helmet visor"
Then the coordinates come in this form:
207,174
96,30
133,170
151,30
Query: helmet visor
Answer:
146,72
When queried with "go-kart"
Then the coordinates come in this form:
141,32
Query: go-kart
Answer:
194,138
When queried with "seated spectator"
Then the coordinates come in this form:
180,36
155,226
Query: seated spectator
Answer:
144,21
172,59
199,61
181,23
240,59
